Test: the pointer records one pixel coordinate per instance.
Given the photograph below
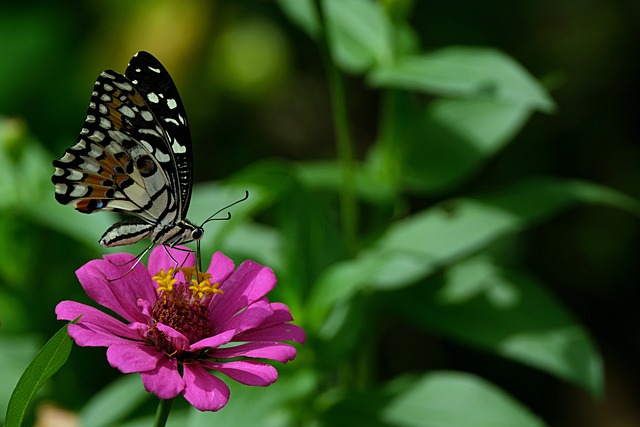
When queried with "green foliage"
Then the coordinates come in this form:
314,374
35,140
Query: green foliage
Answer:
14,359
46,363
437,254
437,398
482,305
109,407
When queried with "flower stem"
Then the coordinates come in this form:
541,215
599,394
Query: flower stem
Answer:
344,143
164,407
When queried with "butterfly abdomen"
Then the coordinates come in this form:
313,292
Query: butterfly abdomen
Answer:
125,233
128,232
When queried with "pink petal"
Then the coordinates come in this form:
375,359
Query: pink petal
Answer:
164,381
281,314
263,350
139,329
178,340
159,259
203,390
134,357
250,282
92,336
145,307
118,295
69,310
220,268
281,332
253,316
247,372
214,341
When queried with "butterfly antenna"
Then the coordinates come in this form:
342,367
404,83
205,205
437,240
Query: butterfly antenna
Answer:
228,217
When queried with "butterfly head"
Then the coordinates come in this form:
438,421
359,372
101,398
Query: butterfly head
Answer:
197,233
185,232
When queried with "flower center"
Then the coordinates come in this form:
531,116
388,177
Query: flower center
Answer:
182,305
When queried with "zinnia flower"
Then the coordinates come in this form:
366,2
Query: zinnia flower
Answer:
182,323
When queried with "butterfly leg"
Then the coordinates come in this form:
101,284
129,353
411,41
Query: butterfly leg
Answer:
177,248
137,261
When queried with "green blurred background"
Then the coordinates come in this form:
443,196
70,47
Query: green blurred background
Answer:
254,87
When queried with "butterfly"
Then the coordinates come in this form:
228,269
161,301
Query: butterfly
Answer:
133,156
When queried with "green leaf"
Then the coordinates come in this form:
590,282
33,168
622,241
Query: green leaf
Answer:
499,310
46,363
359,30
456,399
485,124
273,177
431,148
258,242
15,259
327,175
361,407
308,237
360,34
258,406
303,14
462,71
108,406
416,246
16,352
85,229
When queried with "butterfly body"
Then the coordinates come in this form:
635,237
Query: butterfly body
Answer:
133,156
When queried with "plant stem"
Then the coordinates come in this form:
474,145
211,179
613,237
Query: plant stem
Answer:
344,143
164,407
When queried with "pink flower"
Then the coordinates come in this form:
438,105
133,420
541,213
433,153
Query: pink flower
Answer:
181,323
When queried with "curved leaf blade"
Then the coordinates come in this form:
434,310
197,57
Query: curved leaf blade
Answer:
456,399
107,408
416,246
46,363
463,71
360,34
508,313
435,147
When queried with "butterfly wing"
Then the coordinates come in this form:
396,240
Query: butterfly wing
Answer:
156,86
120,162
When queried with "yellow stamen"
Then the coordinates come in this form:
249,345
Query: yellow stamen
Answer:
165,280
188,272
200,282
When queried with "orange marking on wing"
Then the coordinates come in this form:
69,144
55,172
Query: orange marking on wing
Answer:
113,114
137,99
119,179
109,171
99,193
82,205
95,179
109,163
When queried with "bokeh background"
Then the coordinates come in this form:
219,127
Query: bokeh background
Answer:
254,87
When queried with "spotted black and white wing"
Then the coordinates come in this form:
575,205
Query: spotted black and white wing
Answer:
155,84
123,160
